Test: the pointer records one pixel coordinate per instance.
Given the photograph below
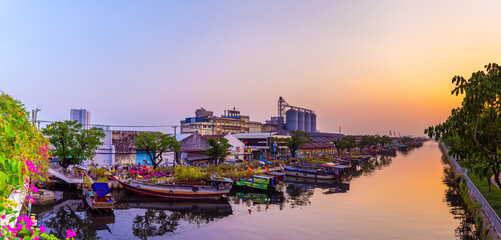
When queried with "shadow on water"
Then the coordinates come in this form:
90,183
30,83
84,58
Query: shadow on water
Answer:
457,206
163,216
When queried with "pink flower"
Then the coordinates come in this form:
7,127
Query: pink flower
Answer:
36,238
3,217
42,229
70,233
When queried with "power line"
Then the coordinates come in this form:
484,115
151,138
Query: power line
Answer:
124,126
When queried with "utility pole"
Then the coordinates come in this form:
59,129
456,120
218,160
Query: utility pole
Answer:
34,116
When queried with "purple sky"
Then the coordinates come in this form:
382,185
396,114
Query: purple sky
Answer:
365,66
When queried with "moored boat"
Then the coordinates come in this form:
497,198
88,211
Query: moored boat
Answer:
97,195
214,190
258,182
327,171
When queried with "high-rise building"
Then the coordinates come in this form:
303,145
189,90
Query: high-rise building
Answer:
81,116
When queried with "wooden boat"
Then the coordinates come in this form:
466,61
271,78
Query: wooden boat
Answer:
216,188
328,171
403,147
258,182
97,195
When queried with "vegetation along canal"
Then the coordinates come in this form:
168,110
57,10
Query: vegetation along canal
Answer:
409,196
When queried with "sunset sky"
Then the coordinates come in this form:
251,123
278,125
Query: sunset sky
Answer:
365,66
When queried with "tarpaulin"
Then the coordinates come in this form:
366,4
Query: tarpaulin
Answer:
101,189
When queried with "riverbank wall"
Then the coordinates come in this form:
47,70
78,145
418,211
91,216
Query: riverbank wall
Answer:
490,220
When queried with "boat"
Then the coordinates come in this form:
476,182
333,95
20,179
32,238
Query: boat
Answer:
258,182
403,147
327,171
97,195
214,190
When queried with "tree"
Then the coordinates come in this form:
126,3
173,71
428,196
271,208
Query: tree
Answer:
71,143
365,141
406,140
472,131
338,144
348,143
385,140
297,140
155,144
218,148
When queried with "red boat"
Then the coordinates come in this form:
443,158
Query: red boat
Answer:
217,188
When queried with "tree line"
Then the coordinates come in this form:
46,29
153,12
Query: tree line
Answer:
473,130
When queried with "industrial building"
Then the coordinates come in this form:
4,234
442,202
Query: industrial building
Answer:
296,118
230,122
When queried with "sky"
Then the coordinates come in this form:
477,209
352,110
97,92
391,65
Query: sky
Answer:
365,66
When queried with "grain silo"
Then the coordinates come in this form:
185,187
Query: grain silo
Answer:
307,122
313,123
291,121
300,120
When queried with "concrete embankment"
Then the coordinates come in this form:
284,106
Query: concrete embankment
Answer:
486,227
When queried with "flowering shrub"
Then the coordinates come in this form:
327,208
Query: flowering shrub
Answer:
23,160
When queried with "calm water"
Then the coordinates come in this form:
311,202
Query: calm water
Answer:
410,196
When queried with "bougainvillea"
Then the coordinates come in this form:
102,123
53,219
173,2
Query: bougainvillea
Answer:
23,161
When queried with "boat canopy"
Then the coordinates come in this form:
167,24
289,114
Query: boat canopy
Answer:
276,173
300,170
221,179
340,166
101,189
263,177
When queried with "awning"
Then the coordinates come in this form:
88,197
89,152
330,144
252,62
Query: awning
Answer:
198,158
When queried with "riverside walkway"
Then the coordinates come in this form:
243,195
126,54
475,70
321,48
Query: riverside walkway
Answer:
65,175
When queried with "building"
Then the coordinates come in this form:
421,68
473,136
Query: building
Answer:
105,154
321,143
82,116
237,150
264,144
193,148
231,121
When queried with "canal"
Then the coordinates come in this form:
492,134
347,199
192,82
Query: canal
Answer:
412,195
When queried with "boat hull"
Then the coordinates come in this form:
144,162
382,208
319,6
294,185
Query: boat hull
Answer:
308,174
174,191
95,204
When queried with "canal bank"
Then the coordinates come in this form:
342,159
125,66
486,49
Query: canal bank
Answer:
401,197
487,222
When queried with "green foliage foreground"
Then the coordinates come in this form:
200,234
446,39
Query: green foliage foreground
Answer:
23,161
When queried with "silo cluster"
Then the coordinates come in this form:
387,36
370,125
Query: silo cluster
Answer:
300,120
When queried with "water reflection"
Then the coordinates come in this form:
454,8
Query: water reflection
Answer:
466,228
375,163
299,195
249,198
163,216
154,223
58,221
137,217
